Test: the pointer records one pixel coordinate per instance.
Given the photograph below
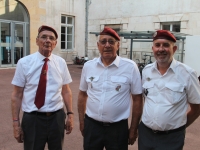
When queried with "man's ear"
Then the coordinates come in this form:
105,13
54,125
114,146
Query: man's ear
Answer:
174,48
37,40
118,44
97,44
56,43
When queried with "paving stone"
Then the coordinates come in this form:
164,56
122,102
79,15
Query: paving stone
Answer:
74,141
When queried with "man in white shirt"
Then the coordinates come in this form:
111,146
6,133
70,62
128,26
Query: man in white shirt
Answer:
169,88
107,87
41,90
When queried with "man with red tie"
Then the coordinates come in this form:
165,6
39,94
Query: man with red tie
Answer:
41,90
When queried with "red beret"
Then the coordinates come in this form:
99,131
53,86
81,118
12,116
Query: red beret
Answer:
44,27
111,32
164,34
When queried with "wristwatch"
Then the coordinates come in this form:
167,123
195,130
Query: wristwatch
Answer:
69,113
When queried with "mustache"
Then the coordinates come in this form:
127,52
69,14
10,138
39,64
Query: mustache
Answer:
47,44
107,50
162,53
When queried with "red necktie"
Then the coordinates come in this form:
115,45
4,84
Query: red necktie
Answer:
41,90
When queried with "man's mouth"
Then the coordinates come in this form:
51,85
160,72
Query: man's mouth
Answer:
47,46
162,54
107,51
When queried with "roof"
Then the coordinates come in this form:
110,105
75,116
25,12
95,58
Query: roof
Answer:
144,35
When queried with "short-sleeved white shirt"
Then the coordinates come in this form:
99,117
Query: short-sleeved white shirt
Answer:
109,88
166,101
27,75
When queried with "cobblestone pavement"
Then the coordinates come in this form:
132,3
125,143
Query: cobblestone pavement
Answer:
74,140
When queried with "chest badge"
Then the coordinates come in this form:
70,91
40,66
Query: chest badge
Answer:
118,88
44,72
148,79
91,79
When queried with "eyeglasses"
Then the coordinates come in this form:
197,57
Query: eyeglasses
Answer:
103,42
44,38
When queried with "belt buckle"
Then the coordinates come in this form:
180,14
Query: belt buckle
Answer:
48,114
106,124
155,131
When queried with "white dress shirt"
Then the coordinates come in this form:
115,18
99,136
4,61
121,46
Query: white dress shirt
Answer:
109,88
167,96
27,75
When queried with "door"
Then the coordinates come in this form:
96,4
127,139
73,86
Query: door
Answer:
12,43
18,43
5,57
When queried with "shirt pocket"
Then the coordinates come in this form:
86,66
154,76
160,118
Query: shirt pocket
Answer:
148,89
174,92
118,84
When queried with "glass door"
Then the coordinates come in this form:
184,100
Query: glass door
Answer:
18,42
12,48
5,46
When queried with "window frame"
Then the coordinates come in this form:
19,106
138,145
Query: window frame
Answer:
66,26
171,24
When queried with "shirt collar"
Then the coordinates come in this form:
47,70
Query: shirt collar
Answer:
41,57
115,62
172,66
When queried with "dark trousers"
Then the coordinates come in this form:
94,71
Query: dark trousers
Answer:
148,140
41,129
112,136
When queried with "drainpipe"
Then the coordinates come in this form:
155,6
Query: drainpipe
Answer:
182,52
86,27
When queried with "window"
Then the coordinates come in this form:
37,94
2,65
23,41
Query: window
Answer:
171,26
67,32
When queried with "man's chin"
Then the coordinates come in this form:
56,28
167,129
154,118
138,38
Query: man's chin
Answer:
108,56
46,52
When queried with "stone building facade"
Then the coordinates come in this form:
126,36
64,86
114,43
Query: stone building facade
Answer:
20,20
141,15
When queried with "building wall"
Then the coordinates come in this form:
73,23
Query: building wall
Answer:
141,15
192,52
48,12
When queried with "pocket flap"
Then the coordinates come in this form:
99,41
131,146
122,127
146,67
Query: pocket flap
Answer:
177,87
118,79
148,85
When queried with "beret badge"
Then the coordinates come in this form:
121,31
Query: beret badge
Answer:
154,35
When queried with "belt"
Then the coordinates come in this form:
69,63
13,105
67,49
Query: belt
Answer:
105,124
167,131
43,113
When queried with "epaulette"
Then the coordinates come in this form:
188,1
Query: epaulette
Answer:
147,66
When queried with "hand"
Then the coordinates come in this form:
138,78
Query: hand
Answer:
82,128
132,137
69,124
18,133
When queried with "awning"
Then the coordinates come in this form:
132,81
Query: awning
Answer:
146,36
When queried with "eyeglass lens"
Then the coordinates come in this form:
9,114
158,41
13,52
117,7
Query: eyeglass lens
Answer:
111,42
51,38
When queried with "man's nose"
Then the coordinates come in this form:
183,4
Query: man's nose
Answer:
107,44
161,48
48,39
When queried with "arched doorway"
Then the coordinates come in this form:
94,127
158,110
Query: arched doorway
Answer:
14,32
